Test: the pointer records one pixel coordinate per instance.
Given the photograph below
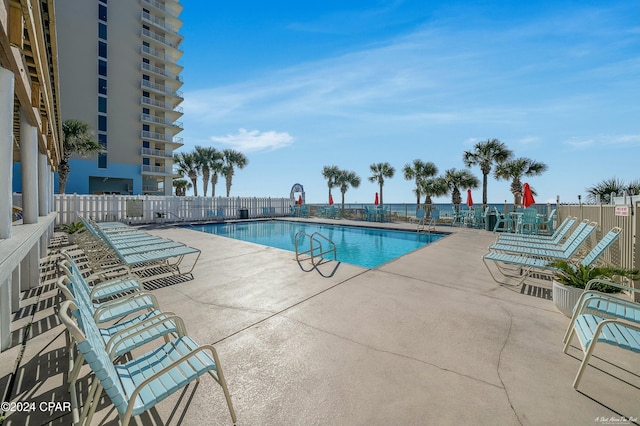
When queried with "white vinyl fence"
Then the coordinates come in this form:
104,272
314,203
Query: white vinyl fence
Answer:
149,208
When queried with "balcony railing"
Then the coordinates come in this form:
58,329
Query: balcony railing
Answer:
146,84
156,136
173,11
160,104
156,153
161,23
160,71
159,120
157,169
158,54
159,38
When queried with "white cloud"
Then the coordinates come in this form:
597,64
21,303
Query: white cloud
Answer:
254,140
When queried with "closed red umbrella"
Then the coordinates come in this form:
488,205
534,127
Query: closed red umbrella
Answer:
300,200
376,202
469,198
527,196
330,199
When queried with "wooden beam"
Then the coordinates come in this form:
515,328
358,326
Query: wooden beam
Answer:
35,94
16,25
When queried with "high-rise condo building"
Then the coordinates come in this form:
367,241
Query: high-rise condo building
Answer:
119,73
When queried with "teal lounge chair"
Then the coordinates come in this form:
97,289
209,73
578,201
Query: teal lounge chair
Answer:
555,238
525,265
617,324
550,250
147,379
546,225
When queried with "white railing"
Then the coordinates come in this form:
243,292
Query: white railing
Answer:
160,104
157,169
146,208
161,23
156,152
173,11
159,38
146,84
160,71
153,135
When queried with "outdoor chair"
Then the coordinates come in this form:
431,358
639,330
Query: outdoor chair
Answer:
141,383
525,265
564,251
604,305
620,327
546,225
555,238
504,222
528,222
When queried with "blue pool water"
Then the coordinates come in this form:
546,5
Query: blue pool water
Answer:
364,247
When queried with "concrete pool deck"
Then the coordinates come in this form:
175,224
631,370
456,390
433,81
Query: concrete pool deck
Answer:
428,338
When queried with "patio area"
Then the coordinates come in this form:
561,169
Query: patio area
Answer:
428,338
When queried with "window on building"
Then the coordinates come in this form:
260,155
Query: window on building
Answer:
145,161
146,111
102,12
102,49
145,77
102,161
102,140
102,104
102,30
102,67
146,144
145,94
102,86
145,27
145,61
145,127
102,123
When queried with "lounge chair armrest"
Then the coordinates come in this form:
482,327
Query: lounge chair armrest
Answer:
106,285
123,301
169,318
109,273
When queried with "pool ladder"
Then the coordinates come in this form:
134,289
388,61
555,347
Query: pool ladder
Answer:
323,246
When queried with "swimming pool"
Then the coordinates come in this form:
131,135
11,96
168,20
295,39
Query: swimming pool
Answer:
366,247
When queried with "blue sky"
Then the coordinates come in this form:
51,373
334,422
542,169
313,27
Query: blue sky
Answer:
298,85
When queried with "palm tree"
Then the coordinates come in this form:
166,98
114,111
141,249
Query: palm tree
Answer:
634,187
205,156
419,172
343,180
432,187
181,186
187,166
381,171
232,159
456,179
604,190
485,154
78,139
514,170
330,173
216,169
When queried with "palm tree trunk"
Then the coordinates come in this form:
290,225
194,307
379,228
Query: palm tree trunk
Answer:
381,203
194,181
229,177
63,173
205,181
342,209
214,181
484,189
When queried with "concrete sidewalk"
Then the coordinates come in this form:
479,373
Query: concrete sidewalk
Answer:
426,339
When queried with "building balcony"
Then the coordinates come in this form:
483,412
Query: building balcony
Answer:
157,170
161,38
150,152
161,137
160,23
148,118
160,55
170,7
160,71
159,88
167,106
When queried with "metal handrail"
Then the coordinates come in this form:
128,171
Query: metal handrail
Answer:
316,236
301,234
